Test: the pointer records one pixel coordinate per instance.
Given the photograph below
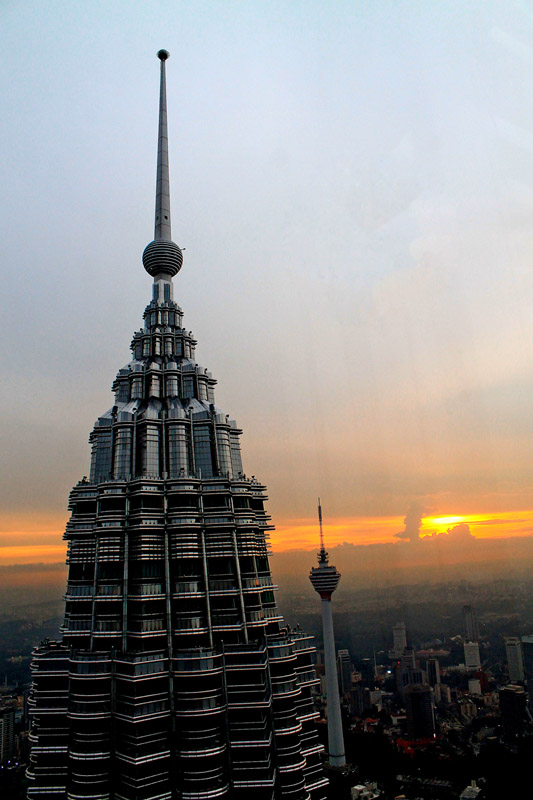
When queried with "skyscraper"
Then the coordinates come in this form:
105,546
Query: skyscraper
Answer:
7,734
419,712
174,679
433,671
408,672
344,669
513,709
515,663
527,651
399,639
325,580
470,624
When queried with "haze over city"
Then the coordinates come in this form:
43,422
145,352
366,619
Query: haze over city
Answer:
350,191
353,185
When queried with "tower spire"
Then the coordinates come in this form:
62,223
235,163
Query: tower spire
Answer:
162,258
162,192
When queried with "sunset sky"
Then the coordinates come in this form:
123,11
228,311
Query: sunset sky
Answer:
353,184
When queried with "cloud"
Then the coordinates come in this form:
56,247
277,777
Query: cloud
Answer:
8,569
503,521
460,533
413,520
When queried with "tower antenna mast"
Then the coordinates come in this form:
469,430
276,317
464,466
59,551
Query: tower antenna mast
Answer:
321,529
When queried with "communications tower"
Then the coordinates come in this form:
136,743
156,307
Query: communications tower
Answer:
325,579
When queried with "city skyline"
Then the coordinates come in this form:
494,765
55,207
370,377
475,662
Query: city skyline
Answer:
356,228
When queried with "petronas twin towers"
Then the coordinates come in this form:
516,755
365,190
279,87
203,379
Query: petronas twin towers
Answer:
174,679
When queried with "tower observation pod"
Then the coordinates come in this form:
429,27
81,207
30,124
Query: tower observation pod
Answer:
175,677
325,579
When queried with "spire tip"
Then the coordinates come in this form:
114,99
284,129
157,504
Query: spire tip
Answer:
162,256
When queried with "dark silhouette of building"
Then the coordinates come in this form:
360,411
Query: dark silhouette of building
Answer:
367,673
344,671
527,653
408,672
174,677
513,705
470,624
433,671
419,712
359,700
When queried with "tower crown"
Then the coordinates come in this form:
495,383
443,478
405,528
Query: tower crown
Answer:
162,256
170,601
325,578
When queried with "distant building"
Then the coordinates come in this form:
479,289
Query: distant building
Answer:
471,792
409,673
442,693
467,710
7,734
433,671
368,791
399,639
474,686
419,712
359,701
527,653
367,673
470,624
411,677
513,702
515,662
472,659
407,659
344,671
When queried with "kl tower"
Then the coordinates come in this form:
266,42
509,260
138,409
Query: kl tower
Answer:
325,580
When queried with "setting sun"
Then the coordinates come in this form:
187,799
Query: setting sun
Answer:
443,520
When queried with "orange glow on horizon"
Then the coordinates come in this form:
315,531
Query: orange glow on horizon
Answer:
37,537
303,533
32,537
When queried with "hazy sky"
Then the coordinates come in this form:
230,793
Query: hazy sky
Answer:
353,183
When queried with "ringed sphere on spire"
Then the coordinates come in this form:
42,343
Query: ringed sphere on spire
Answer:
162,255
163,55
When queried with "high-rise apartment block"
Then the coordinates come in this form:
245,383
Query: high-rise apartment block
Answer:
515,662
7,734
344,670
175,678
470,624
472,658
399,639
